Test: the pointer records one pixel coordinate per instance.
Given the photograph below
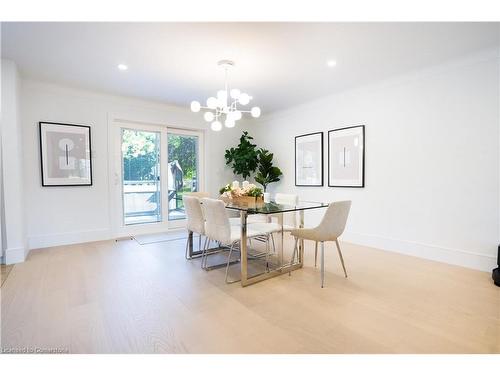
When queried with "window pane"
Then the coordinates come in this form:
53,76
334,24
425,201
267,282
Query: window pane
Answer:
141,176
182,171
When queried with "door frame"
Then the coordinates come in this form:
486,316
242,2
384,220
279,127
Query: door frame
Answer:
118,228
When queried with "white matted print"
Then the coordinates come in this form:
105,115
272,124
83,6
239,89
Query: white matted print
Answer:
309,159
65,151
346,157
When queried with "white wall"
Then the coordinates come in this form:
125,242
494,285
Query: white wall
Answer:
13,237
61,215
432,160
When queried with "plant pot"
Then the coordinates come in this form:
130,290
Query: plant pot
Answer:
248,201
267,197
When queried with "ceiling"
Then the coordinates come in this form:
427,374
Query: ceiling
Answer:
279,64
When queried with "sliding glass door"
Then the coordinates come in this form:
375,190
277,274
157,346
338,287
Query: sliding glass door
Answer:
183,170
154,167
141,185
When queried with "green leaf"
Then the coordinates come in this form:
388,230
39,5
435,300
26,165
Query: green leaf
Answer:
243,158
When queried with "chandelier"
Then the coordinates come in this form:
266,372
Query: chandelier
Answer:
225,107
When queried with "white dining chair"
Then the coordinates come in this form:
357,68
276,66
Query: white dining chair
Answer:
218,228
198,194
330,229
195,219
289,218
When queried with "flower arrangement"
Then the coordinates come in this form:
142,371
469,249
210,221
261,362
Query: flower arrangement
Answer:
234,190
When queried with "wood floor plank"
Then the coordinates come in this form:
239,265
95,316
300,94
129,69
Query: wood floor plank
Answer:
122,297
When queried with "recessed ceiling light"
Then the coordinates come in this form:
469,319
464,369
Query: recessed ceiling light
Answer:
331,63
122,67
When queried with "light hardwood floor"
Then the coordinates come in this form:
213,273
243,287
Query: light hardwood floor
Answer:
121,297
4,272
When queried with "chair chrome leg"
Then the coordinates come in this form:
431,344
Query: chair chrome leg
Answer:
341,257
187,247
293,255
322,263
274,246
199,242
204,253
228,261
316,254
267,253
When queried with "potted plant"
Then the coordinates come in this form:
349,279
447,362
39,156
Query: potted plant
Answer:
267,173
243,159
247,195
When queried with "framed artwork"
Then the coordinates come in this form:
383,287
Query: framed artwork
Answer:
309,159
65,154
346,157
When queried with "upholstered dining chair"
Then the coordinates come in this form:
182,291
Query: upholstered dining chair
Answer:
289,218
218,228
330,229
195,219
198,194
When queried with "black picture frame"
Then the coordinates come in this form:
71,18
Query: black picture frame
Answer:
44,183
363,157
322,159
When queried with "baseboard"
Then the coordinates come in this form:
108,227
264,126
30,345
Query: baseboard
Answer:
68,238
15,255
456,257
437,253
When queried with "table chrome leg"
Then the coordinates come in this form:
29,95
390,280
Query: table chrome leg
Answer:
301,247
282,239
243,248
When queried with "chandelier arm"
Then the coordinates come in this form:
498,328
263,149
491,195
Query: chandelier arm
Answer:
226,85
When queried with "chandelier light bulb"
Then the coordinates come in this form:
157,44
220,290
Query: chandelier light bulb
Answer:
229,123
216,126
195,106
235,93
244,99
212,102
255,112
209,116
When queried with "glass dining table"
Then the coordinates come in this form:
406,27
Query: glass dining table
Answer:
280,266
